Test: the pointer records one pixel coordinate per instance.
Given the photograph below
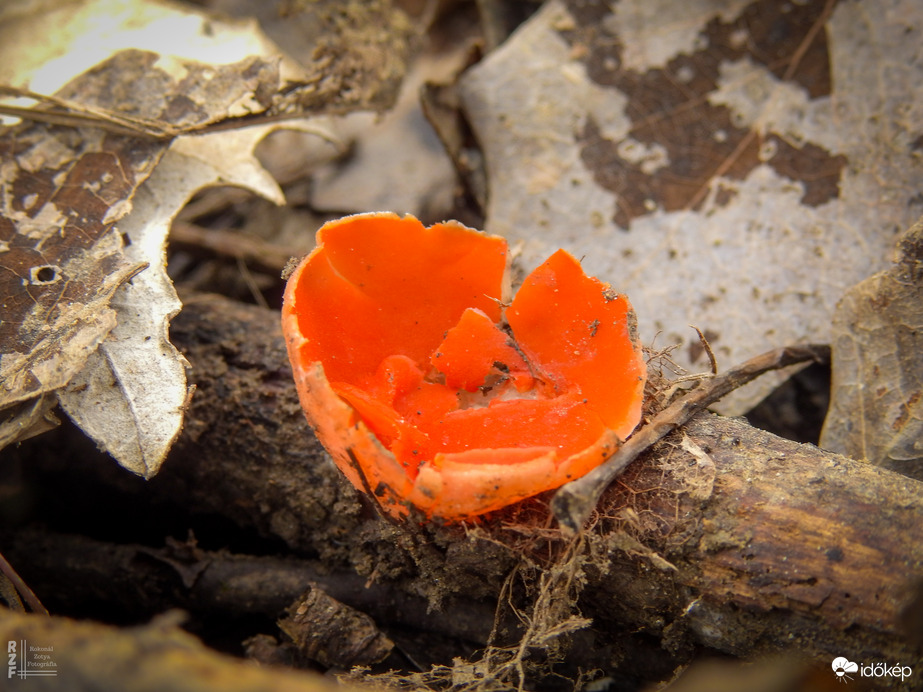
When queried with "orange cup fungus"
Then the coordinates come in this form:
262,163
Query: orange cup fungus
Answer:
427,393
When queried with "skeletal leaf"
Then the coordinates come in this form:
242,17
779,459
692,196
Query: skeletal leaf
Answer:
876,411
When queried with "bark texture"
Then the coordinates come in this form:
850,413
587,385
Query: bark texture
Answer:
721,536
746,544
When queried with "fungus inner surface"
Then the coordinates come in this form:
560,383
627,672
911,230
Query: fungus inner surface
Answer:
407,322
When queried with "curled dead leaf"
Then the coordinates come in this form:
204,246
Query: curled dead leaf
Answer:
876,409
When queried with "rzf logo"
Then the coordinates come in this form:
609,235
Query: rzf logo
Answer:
11,650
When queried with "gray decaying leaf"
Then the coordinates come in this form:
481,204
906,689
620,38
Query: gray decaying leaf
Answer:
876,411
397,162
130,398
731,165
70,324
64,262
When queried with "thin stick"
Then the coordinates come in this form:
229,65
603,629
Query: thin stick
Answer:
712,361
75,114
28,596
255,291
574,502
258,254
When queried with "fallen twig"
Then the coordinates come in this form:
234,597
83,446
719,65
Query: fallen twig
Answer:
574,502
21,588
257,254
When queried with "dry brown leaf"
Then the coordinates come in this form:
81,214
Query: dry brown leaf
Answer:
64,258
131,396
876,411
60,251
354,54
735,165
